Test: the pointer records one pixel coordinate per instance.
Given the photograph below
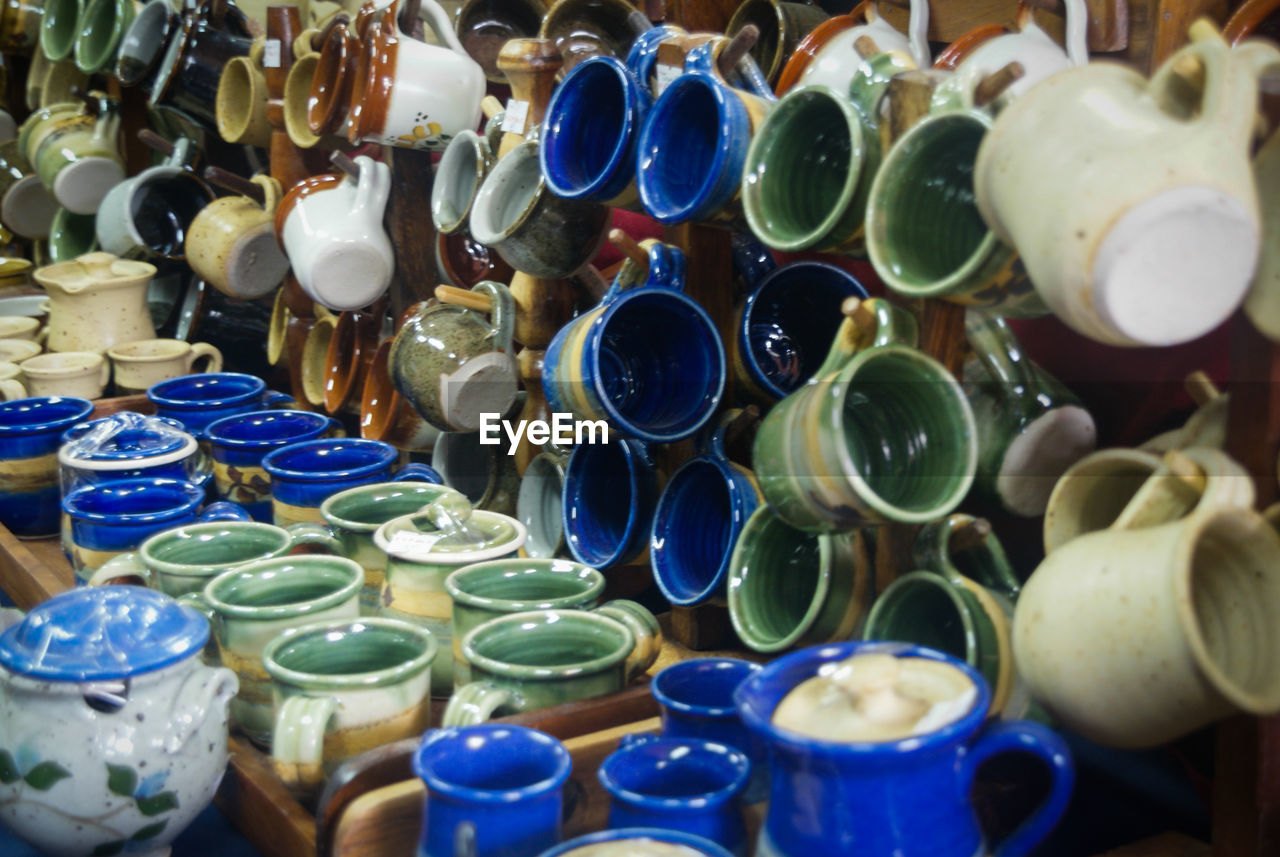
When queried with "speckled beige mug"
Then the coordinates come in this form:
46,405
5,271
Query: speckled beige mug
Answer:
232,243
140,364
82,374
11,382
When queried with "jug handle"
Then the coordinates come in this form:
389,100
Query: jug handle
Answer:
918,31
666,270
271,192
1000,353
192,704
502,315
438,18
1025,737
374,185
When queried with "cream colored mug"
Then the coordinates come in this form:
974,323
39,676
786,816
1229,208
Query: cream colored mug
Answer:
82,374
11,382
140,364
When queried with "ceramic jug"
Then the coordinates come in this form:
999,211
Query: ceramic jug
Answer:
97,301
1120,247
109,739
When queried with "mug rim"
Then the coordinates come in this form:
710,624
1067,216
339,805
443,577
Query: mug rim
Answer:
181,346
581,571
192,496
702,846
158,391
665,699
407,487
728,755
187,445
386,457
563,764
383,542
75,411
211,431
969,617
177,569
524,151
350,681
543,618
349,590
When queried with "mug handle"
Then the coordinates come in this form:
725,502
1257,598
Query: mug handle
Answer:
1002,356
204,692
373,187
475,703
119,567
1169,493
932,550
196,601
1026,737
416,471
309,535
271,192
297,741
874,324
224,510
274,400
11,388
204,351
667,267
644,628
502,315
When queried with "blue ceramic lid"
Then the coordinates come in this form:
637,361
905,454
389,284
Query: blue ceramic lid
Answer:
101,633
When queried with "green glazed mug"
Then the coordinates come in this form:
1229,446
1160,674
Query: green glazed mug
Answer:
961,544
250,605
71,236
788,587
102,26
526,661
882,432
76,155
184,559
342,687
59,27
351,517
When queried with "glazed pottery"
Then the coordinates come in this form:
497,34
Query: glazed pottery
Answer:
184,559
505,782
872,782
11,382
304,474
187,75
1199,649
784,328
82,374
638,842
484,26
19,327
314,358
587,28
41,122
534,230
251,604
823,56
59,27
139,365
525,661
205,314
1207,426
386,415
107,519
682,784
539,505
96,301
1030,427
76,155
150,214
454,364
71,235
465,262
241,102
239,442
328,101
1261,304
102,27
1170,217
51,83
788,587
29,493
20,26
298,105
462,169
331,229
128,445
342,687
413,94
64,697
693,145
198,400
485,474
18,350
826,458
26,207
352,348
782,26
422,549
608,500
144,41
607,365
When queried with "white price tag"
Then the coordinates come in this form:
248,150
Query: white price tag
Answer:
271,54
663,76
513,121
407,542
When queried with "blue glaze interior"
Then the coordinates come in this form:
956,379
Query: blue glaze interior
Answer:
668,768
589,131
133,500
474,760
790,320
329,458
600,503
692,531
703,685
267,428
681,150
41,414
210,389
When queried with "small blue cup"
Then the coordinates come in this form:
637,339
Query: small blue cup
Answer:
198,400
303,475
30,431
506,781
700,845
696,696
609,495
685,784
238,444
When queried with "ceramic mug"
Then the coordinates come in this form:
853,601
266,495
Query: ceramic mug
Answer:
250,605
58,28
455,364
331,229
77,158
241,102
231,243
26,206
11,382
18,350
32,429
485,474
144,41
198,400
82,374
610,493
351,355
539,505
187,75
461,171
484,26
342,687
71,235
139,365
150,214
835,453
526,661
782,26
822,57
385,415
184,559
19,327
607,365
102,26
505,781
586,28
313,372
128,445
298,98
1261,304
50,83
329,101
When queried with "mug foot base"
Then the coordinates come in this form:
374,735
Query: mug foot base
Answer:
1036,458
81,186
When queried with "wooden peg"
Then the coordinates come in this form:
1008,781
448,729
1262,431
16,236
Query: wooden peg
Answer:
740,432
969,535
1186,470
463,298
88,98
862,315
235,183
1200,388
630,247
490,106
994,85
866,47
591,283
739,46
638,22
155,142
343,161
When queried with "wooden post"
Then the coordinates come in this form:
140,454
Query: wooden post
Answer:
410,228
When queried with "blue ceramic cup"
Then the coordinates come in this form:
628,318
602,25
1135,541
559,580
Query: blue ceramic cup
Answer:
698,845
238,444
30,431
696,696
869,787
111,518
505,781
128,445
647,359
304,475
609,495
685,784
198,400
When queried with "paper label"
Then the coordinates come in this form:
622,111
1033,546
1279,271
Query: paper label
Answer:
513,121
271,54
664,75
406,542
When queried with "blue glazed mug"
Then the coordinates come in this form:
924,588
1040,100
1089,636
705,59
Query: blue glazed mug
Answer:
506,782
697,702
303,475
30,430
640,838
238,444
127,445
610,491
108,519
682,784
871,786
693,145
696,525
198,400
611,364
